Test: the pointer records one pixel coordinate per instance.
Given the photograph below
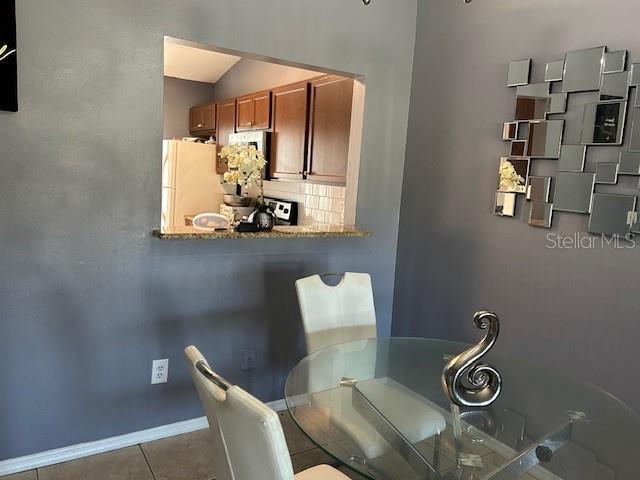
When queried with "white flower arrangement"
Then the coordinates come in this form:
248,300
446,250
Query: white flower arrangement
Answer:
509,180
3,52
246,165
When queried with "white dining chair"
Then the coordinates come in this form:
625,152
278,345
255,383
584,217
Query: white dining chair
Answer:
336,314
249,442
346,313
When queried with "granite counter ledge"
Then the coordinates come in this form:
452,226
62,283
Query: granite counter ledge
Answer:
190,233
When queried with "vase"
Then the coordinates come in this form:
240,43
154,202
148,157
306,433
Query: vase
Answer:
264,219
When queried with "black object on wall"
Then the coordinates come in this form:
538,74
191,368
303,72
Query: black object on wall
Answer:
8,57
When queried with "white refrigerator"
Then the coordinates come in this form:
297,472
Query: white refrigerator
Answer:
190,184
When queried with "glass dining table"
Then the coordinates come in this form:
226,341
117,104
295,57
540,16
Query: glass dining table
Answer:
379,407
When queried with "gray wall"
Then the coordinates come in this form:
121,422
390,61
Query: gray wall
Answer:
574,310
179,96
88,297
248,76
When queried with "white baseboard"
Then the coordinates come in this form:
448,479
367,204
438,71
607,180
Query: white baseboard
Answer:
65,454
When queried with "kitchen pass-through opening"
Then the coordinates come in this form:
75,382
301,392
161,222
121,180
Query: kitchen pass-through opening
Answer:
306,121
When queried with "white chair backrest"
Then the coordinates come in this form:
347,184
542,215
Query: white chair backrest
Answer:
248,437
336,314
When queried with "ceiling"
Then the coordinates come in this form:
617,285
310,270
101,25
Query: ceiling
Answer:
189,63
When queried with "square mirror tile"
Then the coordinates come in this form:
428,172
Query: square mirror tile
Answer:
583,70
611,214
539,189
629,163
518,148
572,158
607,173
615,61
636,103
573,191
519,73
545,138
531,101
634,79
603,123
523,130
541,215
615,86
531,108
505,205
510,131
513,175
635,222
554,71
557,103
634,142
535,90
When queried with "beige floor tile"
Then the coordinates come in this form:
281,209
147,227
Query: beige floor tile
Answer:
184,457
310,458
30,475
297,441
125,464
351,474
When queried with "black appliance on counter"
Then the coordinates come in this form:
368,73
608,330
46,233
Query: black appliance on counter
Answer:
286,212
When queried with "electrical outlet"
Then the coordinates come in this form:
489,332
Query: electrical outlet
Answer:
248,359
160,371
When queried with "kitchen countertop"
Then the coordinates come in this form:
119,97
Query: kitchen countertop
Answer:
280,231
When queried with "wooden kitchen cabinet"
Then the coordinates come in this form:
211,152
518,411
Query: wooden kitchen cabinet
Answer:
329,128
226,125
290,119
262,111
253,112
203,120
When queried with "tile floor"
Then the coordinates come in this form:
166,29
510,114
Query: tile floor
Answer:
185,457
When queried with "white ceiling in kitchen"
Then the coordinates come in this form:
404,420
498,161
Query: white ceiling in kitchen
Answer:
200,65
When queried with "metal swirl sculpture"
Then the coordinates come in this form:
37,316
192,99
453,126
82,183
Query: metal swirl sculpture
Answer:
483,382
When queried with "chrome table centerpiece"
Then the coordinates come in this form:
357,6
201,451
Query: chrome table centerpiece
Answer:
466,381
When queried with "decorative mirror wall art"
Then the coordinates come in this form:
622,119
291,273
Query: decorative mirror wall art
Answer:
554,71
505,204
583,70
519,73
536,135
572,158
573,192
629,163
513,175
8,57
615,61
607,173
603,123
611,214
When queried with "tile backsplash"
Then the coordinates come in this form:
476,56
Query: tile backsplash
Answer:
319,205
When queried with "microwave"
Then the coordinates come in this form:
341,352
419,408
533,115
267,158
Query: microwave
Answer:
259,139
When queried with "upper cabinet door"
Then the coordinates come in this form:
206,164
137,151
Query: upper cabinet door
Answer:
253,112
226,126
289,137
262,110
203,120
244,113
196,116
209,114
330,128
